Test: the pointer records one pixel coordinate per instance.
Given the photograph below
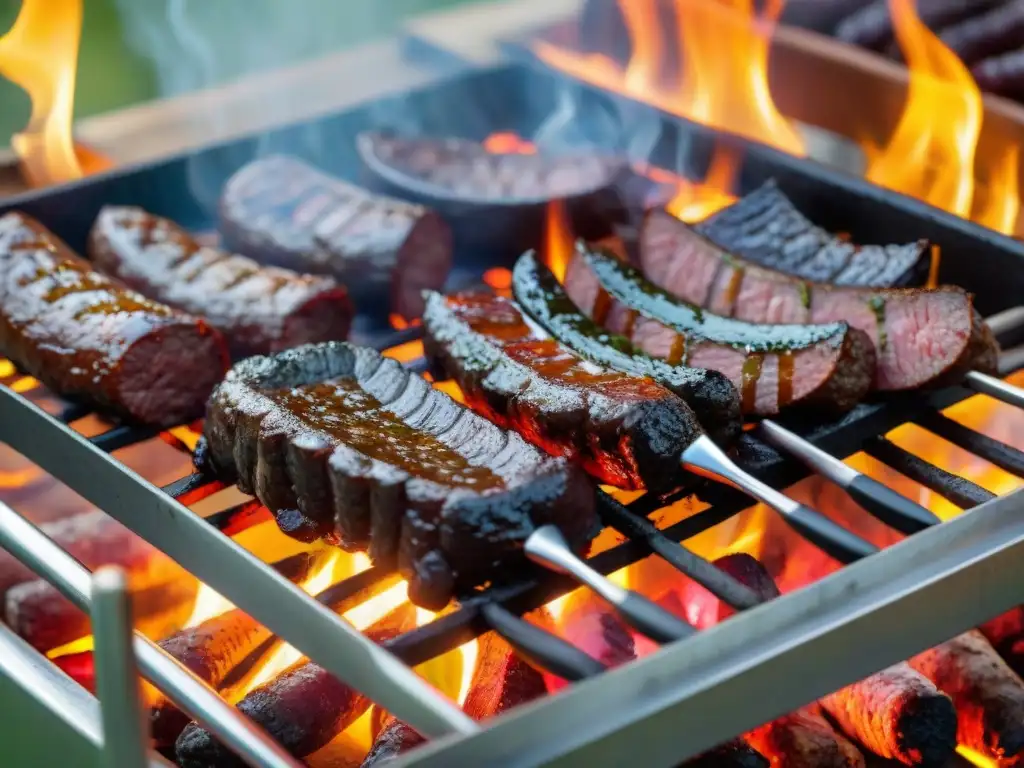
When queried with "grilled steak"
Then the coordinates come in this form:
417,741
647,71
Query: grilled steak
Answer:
774,366
342,443
466,170
989,696
278,210
767,229
709,393
85,335
922,337
896,713
259,309
625,430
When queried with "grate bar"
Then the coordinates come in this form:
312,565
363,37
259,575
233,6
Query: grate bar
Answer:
121,437
997,388
954,488
993,451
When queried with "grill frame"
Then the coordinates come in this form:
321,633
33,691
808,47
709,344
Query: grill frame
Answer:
69,211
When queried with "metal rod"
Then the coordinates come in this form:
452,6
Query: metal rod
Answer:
1004,456
993,387
125,733
548,547
33,548
881,501
705,458
1007,320
235,573
954,488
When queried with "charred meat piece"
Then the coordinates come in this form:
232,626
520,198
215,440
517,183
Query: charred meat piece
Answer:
709,393
85,335
340,442
985,35
872,26
989,696
303,709
278,210
466,170
896,713
625,430
829,366
258,309
921,337
767,229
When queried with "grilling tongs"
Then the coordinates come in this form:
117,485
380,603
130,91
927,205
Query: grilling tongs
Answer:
547,546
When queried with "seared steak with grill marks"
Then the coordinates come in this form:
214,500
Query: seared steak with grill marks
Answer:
466,169
259,309
85,335
627,431
922,337
278,210
766,228
342,443
709,393
830,366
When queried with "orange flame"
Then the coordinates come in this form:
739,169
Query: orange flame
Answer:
40,54
558,239
508,143
724,83
931,152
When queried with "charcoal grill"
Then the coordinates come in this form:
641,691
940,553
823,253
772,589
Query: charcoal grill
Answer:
678,702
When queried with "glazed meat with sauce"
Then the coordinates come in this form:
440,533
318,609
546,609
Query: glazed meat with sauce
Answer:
627,431
767,229
279,210
828,366
921,337
87,336
710,394
259,309
339,442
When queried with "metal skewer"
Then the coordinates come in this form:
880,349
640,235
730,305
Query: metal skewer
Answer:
546,546
891,508
705,458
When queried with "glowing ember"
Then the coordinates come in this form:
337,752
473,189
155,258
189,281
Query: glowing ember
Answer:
500,280
508,144
24,384
40,54
7,369
977,759
695,202
399,323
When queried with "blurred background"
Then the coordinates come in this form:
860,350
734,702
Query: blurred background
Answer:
114,73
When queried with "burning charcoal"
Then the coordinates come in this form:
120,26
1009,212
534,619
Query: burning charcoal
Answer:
590,625
303,709
872,26
989,696
92,538
804,739
278,210
210,650
732,754
498,200
1002,75
1006,634
394,740
502,680
46,619
898,714
983,36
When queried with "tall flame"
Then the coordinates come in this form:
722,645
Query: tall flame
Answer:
724,84
931,152
40,54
